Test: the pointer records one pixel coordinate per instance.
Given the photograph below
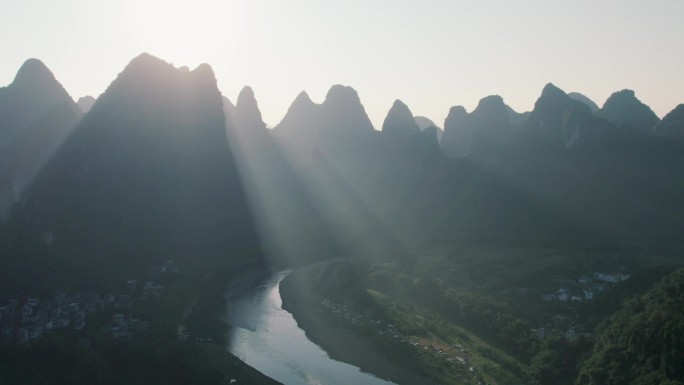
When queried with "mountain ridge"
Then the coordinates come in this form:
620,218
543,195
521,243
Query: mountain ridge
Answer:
118,174
626,111
36,116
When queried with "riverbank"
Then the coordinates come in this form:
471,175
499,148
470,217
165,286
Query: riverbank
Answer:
340,343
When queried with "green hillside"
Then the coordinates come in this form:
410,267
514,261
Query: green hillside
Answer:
643,343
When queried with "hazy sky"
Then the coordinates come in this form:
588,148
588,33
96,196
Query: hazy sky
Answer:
432,54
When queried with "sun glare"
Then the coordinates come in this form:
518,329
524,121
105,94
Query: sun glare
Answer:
186,32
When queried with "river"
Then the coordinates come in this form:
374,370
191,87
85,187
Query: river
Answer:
267,338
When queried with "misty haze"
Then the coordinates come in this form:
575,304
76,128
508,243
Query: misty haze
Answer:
405,193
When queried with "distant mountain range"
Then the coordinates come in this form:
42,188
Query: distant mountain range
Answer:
581,98
36,115
672,125
399,122
162,166
146,175
625,111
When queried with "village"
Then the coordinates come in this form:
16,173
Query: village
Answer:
28,320
572,292
583,288
569,291
453,354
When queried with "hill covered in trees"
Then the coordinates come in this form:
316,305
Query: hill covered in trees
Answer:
642,343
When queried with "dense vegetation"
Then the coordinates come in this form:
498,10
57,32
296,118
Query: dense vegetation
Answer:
462,300
63,360
643,343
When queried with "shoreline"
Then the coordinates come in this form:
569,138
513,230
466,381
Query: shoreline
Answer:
339,343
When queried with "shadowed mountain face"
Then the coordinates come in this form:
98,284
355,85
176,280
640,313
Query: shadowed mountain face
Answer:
340,120
149,174
36,115
456,139
424,122
490,122
581,128
568,169
561,121
672,125
245,125
85,103
465,133
423,147
229,111
407,144
343,117
491,111
624,110
399,123
33,92
146,176
302,119
515,118
546,119
247,114
582,98
283,212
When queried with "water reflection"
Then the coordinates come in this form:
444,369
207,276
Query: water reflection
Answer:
267,338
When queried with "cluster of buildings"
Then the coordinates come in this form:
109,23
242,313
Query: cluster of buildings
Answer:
455,354
584,288
122,327
28,320
184,334
571,331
